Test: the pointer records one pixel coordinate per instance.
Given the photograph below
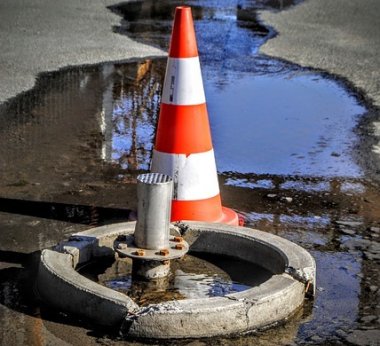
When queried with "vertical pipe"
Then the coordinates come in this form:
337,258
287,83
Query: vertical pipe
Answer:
154,197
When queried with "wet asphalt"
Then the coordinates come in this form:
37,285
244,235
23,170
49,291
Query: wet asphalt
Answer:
41,35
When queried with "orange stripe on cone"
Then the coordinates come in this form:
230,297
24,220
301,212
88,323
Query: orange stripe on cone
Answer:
183,129
183,42
206,209
209,210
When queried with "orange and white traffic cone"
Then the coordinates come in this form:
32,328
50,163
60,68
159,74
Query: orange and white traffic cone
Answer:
183,147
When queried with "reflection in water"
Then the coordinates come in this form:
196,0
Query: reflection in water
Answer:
192,277
352,187
304,132
129,113
336,304
307,131
250,183
182,286
304,186
312,116
297,183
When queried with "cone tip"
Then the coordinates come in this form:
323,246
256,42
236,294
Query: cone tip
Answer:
183,42
183,11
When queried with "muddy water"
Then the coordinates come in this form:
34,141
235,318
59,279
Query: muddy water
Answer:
287,149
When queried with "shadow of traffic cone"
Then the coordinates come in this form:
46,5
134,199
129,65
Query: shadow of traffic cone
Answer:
183,147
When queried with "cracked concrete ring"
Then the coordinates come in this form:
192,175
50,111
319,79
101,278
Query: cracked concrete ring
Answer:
293,268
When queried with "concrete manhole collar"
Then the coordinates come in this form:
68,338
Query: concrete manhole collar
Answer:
61,286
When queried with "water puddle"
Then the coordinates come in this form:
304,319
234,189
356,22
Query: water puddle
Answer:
288,124
337,302
150,22
192,277
307,131
286,149
267,116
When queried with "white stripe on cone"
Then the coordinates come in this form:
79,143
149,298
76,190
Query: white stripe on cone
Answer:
195,175
183,82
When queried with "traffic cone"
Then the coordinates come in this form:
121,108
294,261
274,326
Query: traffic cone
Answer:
183,147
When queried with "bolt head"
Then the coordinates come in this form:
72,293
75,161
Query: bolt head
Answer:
164,252
179,246
122,246
140,252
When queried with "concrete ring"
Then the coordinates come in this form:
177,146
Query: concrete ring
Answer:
258,307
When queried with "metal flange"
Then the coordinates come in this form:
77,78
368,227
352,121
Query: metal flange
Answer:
126,247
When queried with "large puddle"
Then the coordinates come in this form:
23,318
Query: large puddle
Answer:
286,149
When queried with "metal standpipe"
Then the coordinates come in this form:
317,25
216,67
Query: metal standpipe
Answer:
151,247
154,197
